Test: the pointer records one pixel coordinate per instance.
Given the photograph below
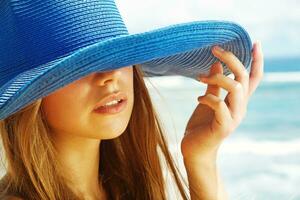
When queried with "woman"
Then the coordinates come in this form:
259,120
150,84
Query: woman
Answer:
97,136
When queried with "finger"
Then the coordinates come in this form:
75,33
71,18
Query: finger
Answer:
222,113
235,91
234,64
214,89
257,66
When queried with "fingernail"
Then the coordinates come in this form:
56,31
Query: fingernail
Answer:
218,49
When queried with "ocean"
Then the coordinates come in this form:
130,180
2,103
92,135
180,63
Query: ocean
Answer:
260,160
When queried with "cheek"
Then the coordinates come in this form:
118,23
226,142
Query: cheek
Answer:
63,113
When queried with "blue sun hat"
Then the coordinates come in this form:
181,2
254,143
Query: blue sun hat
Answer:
47,44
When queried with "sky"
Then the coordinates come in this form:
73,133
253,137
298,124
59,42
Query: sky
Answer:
276,23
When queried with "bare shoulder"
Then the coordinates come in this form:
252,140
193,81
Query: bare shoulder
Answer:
9,197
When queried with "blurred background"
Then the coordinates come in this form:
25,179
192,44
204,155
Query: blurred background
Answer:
261,159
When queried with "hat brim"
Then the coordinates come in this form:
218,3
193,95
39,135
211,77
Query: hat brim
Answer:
181,49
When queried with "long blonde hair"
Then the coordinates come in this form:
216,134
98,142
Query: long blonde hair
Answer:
131,165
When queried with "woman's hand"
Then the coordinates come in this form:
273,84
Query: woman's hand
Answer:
214,119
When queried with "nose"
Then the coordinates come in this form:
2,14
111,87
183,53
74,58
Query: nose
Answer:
108,77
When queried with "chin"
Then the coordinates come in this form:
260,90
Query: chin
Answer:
110,132
111,136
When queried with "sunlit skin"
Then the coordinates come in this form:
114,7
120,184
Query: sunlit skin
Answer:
77,130
214,119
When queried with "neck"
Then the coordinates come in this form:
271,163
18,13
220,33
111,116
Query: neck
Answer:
80,160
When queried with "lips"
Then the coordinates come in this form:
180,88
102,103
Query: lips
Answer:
109,98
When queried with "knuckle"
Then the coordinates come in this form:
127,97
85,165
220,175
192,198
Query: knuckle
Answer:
244,73
219,103
213,77
209,96
217,76
260,75
238,86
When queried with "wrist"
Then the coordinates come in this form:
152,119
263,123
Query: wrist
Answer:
206,158
200,165
203,178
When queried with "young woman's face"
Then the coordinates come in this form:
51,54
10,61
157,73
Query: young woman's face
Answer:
70,110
